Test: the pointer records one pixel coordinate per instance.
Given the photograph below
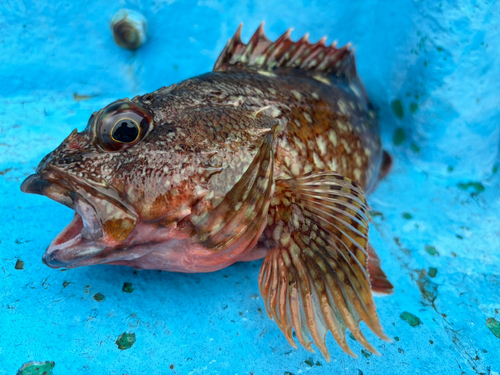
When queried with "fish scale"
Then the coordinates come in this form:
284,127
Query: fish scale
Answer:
268,156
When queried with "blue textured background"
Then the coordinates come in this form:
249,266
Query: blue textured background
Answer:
430,67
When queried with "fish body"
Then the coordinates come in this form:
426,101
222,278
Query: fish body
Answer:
267,156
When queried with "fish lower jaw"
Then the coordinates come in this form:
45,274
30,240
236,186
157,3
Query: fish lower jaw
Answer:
73,245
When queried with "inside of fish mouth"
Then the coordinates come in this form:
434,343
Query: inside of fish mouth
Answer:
89,226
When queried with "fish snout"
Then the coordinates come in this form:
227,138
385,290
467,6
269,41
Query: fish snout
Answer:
34,184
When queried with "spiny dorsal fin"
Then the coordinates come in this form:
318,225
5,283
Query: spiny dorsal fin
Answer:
261,53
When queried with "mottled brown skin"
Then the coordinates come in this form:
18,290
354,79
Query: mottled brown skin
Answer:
217,121
226,172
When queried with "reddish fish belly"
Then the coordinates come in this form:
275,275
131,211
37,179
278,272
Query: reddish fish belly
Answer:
149,247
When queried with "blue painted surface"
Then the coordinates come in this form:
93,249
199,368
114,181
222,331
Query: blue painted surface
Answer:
442,56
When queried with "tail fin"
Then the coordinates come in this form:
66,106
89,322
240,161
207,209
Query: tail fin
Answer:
378,279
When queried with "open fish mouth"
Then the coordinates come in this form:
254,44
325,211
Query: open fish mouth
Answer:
84,237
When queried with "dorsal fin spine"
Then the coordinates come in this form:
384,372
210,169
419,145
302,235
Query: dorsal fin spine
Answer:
261,53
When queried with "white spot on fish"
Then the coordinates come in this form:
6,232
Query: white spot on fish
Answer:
342,107
277,232
344,162
308,118
321,144
266,73
332,136
332,165
347,148
297,94
318,162
355,90
322,79
357,174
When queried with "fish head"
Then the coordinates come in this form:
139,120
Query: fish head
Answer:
125,190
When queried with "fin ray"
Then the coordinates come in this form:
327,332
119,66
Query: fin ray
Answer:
319,259
237,222
261,53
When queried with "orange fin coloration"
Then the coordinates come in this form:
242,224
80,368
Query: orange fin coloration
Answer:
378,279
315,275
236,224
262,54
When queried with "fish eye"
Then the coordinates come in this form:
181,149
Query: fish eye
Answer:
125,131
122,125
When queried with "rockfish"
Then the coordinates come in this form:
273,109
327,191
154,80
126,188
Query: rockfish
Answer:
267,156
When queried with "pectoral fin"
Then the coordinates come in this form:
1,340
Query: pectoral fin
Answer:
315,276
236,224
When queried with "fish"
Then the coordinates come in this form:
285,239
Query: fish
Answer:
270,155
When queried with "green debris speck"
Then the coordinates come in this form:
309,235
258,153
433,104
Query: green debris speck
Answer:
374,213
352,336
476,186
449,169
431,250
413,107
125,340
318,363
19,265
426,63
415,148
411,319
494,326
428,289
397,108
398,137
432,272
407,216
439,49
128,287
80,98
37,368
5,171
459,236
65,283
396,338
495,169
309,362
288,373
99,297
366,354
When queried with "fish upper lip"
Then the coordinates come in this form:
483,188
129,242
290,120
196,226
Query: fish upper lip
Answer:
35,184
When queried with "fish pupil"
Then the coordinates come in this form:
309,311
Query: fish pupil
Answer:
125,131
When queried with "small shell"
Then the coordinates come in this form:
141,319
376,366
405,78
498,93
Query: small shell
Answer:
129,29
